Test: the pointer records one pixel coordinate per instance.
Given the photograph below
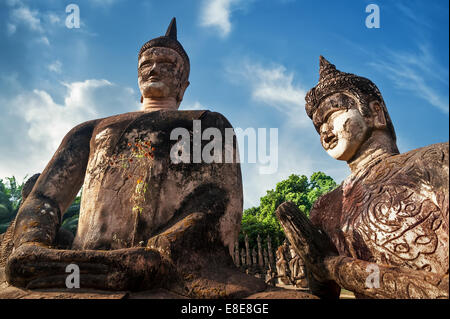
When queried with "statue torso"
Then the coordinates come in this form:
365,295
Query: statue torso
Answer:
131,188
395,212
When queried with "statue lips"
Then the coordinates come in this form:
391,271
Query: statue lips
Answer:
330,141
154,78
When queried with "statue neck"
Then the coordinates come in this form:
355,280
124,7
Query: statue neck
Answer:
156,104
378,146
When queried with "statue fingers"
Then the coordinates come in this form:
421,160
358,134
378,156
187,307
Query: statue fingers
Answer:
307,240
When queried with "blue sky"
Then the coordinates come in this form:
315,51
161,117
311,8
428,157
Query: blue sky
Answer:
251,60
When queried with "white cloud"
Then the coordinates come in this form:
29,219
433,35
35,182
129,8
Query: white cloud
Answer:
104,3
28,17
35,124
196,106
13,3
10,28
274,86
43,40
216,14
414,72
55,66
53,18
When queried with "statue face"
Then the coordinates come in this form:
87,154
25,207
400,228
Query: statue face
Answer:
342,127
161,74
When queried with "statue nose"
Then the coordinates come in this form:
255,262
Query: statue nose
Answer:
153,68
328,138
324,128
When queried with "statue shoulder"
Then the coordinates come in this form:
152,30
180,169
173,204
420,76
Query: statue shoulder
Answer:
216,119
326,211
428,164
436,152
208,118
84,129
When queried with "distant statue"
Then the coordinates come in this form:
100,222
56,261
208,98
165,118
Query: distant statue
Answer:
146,221
296,266
271,276
383,233
282,265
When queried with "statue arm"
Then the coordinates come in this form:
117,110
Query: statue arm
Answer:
362,277
39,218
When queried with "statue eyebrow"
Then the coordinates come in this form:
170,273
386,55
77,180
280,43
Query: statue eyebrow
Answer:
157,59
145,62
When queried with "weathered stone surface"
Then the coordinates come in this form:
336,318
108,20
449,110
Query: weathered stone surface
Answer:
396,212
9,292
277,293
390,216
146,220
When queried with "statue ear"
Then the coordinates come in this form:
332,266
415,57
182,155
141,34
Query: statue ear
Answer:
142,99
182,90
379,118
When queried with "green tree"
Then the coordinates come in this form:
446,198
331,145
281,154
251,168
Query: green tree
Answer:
70,218
10,200
262,220
319,184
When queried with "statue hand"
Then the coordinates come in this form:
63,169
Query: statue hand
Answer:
313,246
34,266
310,243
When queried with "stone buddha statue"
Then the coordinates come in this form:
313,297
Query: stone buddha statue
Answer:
146,221
384,232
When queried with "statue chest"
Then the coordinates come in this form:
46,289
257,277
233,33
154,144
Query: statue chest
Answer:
398,221
133,190
130,190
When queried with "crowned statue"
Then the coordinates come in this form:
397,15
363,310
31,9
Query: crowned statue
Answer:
384,232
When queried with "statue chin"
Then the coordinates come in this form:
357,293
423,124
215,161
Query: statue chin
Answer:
343,151
155,90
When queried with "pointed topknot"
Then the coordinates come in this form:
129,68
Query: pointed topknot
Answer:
169,40
172,29
326,68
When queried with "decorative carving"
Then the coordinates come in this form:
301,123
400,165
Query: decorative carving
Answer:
390,214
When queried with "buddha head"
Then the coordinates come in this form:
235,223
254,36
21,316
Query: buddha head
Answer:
163,67
346,110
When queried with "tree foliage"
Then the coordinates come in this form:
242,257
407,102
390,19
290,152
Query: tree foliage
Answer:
297,189
70,217
11,199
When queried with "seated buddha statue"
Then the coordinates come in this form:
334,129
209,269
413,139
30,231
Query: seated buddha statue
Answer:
146,220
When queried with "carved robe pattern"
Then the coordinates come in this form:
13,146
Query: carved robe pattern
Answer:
394,212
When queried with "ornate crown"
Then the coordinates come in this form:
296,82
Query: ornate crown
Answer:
332,80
